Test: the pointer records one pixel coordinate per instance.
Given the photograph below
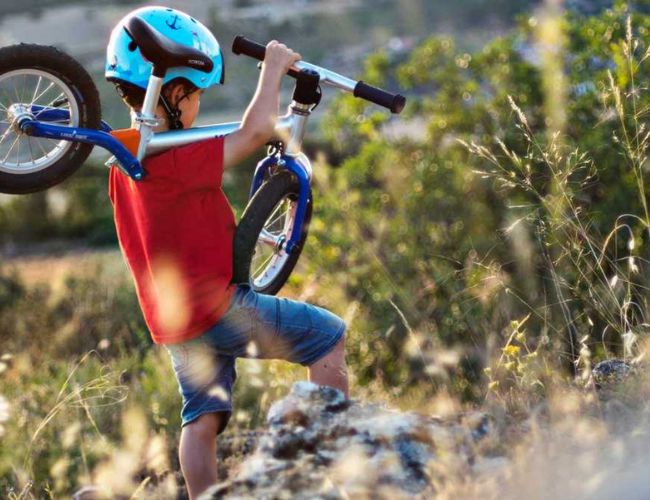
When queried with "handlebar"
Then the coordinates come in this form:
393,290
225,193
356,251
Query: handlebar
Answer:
394,102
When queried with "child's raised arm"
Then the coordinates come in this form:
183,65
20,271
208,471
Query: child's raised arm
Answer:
258,124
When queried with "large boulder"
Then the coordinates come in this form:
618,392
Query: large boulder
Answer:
318,444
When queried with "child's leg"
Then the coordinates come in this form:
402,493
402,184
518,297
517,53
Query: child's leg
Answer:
205,380
197,452
270,327
331,370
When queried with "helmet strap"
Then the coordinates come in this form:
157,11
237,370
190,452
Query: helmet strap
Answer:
173,112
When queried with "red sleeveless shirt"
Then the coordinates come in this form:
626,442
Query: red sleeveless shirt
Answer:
176,230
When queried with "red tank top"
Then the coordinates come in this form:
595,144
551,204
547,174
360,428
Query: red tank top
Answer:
176,230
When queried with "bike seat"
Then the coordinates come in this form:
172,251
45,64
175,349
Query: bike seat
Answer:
162,52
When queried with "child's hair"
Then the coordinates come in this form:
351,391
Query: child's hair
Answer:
134,96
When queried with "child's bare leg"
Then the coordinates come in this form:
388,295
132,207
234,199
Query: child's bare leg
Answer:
198,453
331,370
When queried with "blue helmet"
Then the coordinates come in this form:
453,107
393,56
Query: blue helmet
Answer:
125,63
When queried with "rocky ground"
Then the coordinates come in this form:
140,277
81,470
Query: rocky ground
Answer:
580,443
318,444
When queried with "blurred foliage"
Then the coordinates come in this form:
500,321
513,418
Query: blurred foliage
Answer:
68,391
425,232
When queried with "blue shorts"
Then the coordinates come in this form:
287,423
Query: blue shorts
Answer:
254,326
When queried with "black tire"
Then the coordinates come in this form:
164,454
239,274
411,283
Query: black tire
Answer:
272,192
77,83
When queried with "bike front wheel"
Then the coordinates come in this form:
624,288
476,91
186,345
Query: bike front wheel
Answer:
42,79
266,224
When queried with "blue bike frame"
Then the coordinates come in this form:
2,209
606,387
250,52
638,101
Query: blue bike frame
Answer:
300,167
295,162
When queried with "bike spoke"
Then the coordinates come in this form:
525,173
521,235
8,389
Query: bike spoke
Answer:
264,263
9,99
15,91
31,151
4,136
18,153
275,210
24,88
43,93
49,104
45,153
10,149
38,85
278,217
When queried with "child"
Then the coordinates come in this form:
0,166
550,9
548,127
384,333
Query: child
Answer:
176,230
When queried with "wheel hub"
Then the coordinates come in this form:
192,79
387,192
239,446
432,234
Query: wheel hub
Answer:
17,114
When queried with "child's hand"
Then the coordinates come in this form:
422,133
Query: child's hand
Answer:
279,58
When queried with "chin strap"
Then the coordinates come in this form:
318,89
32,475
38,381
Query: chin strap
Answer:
173,114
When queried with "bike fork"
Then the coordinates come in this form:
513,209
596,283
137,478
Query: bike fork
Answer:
306,96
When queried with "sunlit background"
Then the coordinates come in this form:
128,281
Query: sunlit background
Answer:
487,248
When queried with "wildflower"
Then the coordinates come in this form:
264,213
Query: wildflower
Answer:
511,350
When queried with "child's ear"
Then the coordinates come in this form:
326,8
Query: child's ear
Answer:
177,93
173,93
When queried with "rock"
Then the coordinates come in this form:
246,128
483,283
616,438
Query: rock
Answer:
611,372
318,444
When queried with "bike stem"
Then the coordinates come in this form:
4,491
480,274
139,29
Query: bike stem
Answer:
306,95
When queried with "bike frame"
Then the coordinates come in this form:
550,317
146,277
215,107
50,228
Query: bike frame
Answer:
38,121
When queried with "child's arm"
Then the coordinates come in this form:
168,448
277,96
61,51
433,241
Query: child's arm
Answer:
258,124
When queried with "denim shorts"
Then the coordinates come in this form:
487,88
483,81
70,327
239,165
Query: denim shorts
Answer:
254,326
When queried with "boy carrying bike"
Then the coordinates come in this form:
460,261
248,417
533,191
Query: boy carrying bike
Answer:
176,230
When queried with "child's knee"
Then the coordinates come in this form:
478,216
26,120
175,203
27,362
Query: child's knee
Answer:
206,426
334,357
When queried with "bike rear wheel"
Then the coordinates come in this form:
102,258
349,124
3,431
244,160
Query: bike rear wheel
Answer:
266,224
40,78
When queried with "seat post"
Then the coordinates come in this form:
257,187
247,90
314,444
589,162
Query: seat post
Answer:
151,96
147,120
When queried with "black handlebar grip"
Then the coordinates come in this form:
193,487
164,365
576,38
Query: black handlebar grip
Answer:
394,102
242,45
